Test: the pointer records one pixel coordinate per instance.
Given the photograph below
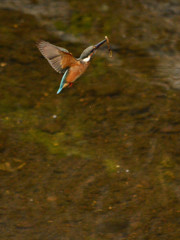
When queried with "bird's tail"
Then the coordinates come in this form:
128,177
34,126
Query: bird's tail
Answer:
63,82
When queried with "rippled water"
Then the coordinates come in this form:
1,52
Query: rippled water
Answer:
100,160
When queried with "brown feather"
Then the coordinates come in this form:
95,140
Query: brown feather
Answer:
59,58
76,71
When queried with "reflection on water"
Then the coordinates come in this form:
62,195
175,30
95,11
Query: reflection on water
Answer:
100,160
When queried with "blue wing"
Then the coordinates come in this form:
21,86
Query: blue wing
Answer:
62,81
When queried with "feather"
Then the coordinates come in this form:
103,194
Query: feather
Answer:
59,58
63,81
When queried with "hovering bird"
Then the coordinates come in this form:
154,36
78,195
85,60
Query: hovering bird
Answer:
64,62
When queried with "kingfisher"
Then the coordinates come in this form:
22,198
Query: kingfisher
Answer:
64,63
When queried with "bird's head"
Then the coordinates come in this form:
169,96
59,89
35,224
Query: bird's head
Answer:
87,54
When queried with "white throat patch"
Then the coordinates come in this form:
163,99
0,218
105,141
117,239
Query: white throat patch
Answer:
86,59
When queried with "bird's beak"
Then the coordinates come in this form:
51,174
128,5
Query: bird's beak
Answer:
99,44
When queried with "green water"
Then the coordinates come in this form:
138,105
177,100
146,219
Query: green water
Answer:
100,160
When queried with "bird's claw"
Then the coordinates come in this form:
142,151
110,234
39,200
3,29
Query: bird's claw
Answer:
70,84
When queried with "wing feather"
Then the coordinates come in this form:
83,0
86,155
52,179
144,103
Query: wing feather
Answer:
59,58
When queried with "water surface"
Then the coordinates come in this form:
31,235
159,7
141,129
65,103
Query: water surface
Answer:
100,160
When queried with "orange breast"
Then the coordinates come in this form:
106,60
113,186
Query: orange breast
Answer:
76,71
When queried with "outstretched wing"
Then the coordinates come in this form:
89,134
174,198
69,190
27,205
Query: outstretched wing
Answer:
59,58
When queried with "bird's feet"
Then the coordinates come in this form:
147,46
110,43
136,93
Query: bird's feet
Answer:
70,84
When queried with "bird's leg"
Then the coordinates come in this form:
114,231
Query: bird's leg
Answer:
70,84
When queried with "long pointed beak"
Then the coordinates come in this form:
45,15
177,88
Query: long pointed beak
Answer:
99,44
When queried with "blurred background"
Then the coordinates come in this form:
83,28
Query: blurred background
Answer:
101,159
